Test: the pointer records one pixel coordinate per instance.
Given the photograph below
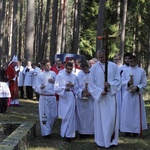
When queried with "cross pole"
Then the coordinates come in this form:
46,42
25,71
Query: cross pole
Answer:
106,37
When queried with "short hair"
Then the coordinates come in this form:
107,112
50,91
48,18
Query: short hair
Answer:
117,55
34,64
133,57
100,51
57,59
46,60
127,54
84,63
69,64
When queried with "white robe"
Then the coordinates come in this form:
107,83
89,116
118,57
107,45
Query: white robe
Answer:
35,73
130,114
20,75
106,119
85,108
66,105
47,104
121,91
28,77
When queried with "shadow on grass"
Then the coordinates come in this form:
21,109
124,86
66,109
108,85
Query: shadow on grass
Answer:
29,112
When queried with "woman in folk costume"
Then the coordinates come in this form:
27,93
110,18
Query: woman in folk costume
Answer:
106,118
47,101
4,89
133,116
85,103
13,83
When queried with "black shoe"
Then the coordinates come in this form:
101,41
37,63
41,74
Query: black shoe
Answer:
47,136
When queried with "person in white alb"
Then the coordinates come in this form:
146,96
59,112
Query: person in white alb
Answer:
133,115
106,117
36,70
65,87
28,78
19,68
85,103
47,100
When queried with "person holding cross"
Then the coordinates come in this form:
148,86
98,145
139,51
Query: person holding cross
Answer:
106,119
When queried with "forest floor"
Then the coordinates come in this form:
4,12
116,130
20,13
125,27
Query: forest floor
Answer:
29,112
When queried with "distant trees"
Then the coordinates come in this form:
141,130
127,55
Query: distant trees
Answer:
34,29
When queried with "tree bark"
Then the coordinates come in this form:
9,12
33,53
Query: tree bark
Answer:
122,38
29,43
20,44
60,24
14,29
45,32
100,23
53,41
2,14
77,15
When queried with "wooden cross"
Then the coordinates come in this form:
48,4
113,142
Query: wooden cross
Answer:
106,37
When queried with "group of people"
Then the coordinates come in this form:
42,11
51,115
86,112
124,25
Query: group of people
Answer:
90,105
87,103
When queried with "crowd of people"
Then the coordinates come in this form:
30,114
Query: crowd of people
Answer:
77,93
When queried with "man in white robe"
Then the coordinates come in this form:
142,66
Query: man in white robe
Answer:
36,70
133,116
65,87
19,68
28,77
47,101
85,103
106,119
122,68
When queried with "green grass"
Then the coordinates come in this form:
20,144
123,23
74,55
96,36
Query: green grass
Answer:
29,112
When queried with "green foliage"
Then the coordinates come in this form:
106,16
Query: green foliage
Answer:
88,27
137,26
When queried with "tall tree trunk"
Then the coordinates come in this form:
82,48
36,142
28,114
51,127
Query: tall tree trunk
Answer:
118,14
14,28
45,32
122,38
10,28
40,31
76,26
53,42
20,47
29,43
100,23
38,28
6,43
2,14
60,24
148,59
137,41
63,43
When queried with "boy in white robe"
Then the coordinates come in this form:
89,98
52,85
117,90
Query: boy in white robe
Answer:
47,101
133,116
122,68
65,87
106,119
85,103
28,77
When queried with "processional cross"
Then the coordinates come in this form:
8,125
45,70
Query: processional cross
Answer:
106,37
